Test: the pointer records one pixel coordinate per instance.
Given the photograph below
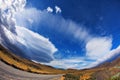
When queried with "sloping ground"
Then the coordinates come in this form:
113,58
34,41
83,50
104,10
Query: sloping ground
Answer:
26,65
95,74
106,74
115,77
106,71
10,73
109,71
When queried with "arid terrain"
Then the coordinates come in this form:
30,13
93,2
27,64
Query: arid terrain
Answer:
26,65
13,67
10,73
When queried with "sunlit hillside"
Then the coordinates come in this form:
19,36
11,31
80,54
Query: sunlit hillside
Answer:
106,71
24,64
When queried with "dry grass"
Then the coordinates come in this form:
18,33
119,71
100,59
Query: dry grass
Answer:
26,65
71,74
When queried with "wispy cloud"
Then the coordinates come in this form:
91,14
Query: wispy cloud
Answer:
96,47
39,48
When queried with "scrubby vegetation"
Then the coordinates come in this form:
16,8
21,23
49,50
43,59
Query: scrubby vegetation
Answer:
115,77
71,77
104,72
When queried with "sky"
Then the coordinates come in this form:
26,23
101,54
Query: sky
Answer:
62,33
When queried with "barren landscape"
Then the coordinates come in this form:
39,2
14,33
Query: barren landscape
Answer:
13,67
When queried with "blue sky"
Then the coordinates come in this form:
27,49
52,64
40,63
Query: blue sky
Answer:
100,17
64,34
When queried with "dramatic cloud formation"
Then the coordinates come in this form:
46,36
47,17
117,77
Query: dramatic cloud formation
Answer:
20,39
16,25
67,27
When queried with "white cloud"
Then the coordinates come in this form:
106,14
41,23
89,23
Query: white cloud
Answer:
43,44
98,47
49,9
31,44
36,43
78,31
113,53
13,5
82,63
58,9
39,47
26,17
69,63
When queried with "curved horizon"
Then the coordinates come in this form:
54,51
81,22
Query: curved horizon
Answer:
56,34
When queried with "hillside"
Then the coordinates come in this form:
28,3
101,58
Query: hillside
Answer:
106,71
26,65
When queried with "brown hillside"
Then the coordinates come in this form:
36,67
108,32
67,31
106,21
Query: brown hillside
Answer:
106,71
24,64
